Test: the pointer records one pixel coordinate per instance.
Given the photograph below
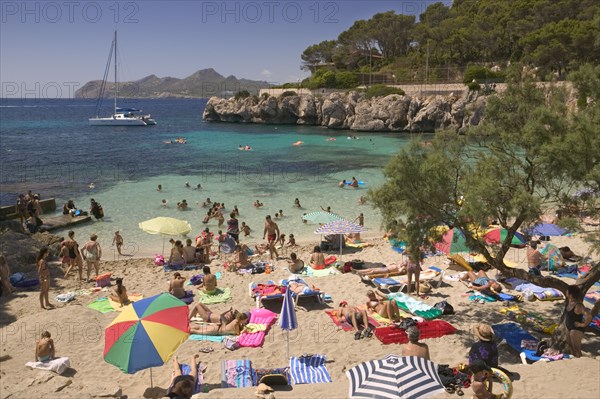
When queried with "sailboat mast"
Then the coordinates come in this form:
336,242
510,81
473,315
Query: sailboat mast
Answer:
116,81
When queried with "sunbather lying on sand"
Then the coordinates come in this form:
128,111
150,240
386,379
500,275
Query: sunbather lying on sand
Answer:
182,386
356,317
391,268
209,316
234,327
379,304
481,282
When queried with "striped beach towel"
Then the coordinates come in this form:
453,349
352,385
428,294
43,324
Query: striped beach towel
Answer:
309,370
414,306
236,374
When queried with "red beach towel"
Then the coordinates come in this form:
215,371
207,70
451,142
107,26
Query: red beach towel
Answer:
429,329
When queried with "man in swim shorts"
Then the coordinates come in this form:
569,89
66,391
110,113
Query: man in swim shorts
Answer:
271,231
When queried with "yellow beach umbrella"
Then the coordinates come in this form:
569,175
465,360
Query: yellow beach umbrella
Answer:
166,227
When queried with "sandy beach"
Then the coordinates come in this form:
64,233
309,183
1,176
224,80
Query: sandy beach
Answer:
78,332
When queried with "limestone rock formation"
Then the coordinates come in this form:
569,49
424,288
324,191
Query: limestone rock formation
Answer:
393,113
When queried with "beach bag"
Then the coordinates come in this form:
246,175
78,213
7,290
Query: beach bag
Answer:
406,323
445,307
347,267
231,343
197,279
103,280
159,260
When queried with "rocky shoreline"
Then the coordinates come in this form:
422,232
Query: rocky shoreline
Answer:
352,111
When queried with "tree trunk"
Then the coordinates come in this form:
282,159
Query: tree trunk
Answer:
559,338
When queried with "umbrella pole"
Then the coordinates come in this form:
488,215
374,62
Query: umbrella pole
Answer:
341,238
163,251
288,343
151,385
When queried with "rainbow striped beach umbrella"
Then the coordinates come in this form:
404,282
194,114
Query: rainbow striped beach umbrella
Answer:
146,333
497,235
453,242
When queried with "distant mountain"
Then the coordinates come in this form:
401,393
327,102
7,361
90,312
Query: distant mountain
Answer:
200,84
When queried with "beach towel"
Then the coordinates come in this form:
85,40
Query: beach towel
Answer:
186,370
592,297
210,338
540,293
236,374
309,370
132,298
19,280
221,295
58,365
341,323
102,305
330,271
549,294
480,297
513,334
257,316
595,323
531,319
429,329
414,306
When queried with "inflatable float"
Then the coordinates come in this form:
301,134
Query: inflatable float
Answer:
505,382
360,182
330,260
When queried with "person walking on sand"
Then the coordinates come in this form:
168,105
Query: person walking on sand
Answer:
118,241
271,231
44,348
74,255
92,252
44,276
414,347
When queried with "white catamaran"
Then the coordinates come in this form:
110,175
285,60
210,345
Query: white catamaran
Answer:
120,116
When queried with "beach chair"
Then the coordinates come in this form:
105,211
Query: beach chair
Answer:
433,275
318,295
266,293
514,335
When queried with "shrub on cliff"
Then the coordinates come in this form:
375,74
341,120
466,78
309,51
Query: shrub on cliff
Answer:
482,75
288,93
242,94
382,91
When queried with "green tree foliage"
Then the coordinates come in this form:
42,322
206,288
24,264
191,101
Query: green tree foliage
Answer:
555,36
242,94
506,170
481,74
382,91
317,54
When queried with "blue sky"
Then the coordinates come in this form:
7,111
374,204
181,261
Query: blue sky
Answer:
49,48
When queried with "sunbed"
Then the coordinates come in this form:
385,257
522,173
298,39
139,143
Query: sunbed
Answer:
255,339
433,275
318,295
267,292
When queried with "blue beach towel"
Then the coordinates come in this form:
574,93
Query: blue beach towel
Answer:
236,374
513,334
202,337
309,370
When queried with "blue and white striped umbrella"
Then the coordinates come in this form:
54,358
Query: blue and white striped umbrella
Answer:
340,227
287,318
395,377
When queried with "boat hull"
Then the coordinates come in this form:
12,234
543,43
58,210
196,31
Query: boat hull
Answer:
121,121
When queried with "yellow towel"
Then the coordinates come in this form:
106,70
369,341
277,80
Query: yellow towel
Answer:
254,328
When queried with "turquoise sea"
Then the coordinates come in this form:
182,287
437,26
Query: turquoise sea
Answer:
48,146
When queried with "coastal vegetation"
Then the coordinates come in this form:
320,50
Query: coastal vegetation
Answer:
527,159
470,39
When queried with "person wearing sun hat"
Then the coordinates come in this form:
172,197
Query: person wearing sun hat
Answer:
485,349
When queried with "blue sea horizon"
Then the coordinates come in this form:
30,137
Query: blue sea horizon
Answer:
47,146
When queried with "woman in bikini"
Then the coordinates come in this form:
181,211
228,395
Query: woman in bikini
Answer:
209,316
182,386
577,318
44,278
382,306
234,327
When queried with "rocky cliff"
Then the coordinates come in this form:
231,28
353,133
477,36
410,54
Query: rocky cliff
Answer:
353,111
